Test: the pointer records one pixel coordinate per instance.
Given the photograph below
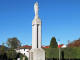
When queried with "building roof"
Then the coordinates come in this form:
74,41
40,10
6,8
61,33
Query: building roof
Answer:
25,47
49,45
64,46
29,47
41,46
45,46
28,50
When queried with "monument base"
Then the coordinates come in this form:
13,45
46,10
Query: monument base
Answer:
36,54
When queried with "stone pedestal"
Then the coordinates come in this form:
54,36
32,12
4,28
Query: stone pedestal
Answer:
37,54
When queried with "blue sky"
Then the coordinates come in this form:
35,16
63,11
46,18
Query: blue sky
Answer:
60,18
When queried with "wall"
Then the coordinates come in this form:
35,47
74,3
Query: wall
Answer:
23,51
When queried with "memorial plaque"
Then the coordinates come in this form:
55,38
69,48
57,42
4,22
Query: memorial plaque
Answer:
40,55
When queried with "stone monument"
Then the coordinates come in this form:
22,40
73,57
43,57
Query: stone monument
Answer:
36,52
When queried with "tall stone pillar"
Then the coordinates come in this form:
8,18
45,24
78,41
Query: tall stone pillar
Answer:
36,52
35,36
39,37
32,37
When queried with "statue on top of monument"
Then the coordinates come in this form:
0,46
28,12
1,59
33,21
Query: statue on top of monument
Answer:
36,8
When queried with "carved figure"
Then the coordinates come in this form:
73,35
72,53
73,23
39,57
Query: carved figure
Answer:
36,8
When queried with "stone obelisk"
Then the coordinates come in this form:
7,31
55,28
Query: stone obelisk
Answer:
36,52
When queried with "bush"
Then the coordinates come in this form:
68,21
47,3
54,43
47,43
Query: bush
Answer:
21,56
11,54
14,59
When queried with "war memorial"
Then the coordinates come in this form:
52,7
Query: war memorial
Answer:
36,52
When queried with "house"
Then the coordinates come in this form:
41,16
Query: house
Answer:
26,48
63,46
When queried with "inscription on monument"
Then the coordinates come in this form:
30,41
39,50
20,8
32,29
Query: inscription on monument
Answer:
40,55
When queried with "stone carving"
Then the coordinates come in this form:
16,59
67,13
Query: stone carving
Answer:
36,8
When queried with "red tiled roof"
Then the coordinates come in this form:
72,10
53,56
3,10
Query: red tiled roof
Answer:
49,45
45,47
61,45
26,46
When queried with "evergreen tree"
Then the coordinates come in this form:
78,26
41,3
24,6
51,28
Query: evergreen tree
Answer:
53,43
